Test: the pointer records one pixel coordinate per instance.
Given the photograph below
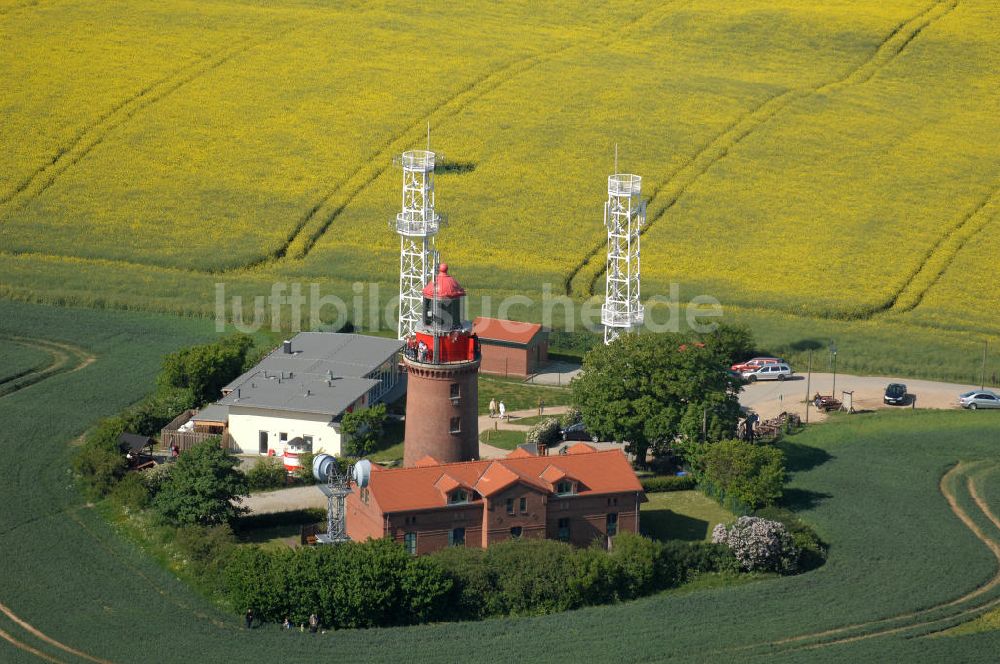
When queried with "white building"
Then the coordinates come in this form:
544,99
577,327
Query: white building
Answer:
294,399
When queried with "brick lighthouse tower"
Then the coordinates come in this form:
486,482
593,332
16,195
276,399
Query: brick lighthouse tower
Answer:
442,365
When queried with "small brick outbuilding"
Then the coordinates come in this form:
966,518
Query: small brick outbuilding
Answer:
511,348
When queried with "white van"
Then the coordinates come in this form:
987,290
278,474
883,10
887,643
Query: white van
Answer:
779,371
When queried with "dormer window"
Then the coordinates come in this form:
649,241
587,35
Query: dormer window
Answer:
458,496
564,487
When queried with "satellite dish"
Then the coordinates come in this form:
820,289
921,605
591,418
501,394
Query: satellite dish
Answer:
362,472
322,464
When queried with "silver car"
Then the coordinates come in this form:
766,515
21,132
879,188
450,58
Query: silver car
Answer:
779,371
979,399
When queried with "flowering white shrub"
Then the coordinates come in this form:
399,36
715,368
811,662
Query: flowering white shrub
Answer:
759,545
545,432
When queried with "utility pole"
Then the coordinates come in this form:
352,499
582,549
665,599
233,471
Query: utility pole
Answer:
986,345
834,350
809,376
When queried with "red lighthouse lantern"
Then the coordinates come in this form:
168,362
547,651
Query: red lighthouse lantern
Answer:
442,363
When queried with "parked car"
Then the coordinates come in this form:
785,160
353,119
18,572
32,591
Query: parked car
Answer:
979,399
755,363
578,432
895,394
779,371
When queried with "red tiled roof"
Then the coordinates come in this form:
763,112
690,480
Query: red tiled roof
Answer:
505,330
427,461
580,448
447,287
418,487
519,452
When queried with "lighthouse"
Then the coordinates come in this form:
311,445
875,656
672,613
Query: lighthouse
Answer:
442,365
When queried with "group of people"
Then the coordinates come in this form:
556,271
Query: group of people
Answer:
498,409
312,625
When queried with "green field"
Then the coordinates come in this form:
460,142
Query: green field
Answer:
806,163
18,359
903,562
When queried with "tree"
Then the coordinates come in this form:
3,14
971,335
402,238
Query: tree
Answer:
734,341
654,389
202,487
743,475
364,429
206,369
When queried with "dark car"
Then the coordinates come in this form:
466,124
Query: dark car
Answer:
895,394
578,432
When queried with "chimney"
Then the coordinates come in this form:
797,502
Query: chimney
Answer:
286,347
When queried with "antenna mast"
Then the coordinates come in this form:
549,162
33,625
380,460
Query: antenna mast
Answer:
624,217
417,225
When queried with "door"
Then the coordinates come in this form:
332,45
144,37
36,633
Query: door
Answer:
263,442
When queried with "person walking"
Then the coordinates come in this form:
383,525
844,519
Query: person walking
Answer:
287,624
493,407
541,406
314,623
503,411
248,618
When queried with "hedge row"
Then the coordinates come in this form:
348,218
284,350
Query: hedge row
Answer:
662,483
376,583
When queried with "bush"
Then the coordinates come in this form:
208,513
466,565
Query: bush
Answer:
204,370
546,433
570,417
760,545
812,550
155,477
743,476
681,561
207,551
131,493
267,473
663,483
363,429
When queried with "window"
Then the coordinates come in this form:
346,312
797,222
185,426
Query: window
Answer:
282,436
510,506
524,504
565,486
564,529
456,537
458,496
611,524
307,443
515,532
456,425
410,543
456,391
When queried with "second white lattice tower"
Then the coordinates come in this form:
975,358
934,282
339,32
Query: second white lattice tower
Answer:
416,224
624,217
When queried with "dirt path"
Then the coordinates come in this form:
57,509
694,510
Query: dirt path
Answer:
768,399
66,358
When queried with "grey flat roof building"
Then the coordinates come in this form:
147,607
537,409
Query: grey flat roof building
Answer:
314,372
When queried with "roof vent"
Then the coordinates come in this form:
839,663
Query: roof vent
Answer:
237,393
286,347
308,393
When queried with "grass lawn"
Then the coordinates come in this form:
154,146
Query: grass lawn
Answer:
518,395
533,419
682,515
507,440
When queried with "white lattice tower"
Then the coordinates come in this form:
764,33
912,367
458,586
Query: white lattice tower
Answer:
624,216
417,224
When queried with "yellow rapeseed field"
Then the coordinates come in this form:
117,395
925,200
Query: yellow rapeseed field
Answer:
825,159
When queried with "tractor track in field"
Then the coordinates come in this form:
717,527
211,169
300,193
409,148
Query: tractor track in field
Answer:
66,358
42,636
680,181
331,205
92,135
940,256
889,625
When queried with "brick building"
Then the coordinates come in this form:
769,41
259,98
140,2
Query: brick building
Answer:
511,348
579,497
